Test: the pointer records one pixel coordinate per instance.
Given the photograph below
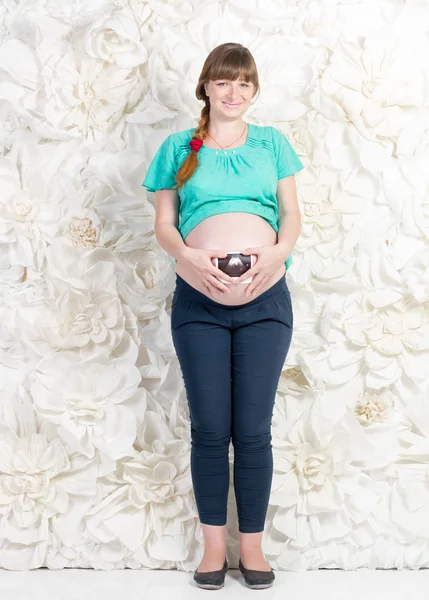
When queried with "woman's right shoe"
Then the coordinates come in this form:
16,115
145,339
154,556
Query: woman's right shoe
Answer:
211,580
257,580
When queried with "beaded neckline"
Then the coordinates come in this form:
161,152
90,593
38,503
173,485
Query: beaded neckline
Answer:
235,150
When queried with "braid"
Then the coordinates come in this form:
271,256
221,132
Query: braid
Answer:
191,161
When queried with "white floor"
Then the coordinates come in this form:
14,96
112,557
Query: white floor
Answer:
82,584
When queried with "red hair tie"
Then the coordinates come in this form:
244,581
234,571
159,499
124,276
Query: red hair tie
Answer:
196,144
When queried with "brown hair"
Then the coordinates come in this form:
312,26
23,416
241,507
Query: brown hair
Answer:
227,61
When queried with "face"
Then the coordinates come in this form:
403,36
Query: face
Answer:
229,98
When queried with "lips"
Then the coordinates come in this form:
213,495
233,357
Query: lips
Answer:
232,105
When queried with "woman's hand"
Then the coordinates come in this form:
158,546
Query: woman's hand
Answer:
198,260
269,260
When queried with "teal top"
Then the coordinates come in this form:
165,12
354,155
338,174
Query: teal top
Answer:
242,179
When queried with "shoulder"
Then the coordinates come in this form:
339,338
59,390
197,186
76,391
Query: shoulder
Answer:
267,135
260,132
279,140
180,138
263,131
175,146
274,134
178,143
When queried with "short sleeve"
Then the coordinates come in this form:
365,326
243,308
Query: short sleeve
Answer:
287,160
162,170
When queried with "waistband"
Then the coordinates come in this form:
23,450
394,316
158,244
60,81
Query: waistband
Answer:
184,286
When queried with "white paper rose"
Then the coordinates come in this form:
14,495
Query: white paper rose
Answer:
373,408
30,491
93,95
78,308
73,94
109,179
377,79
383,333
42,481
88,322
88,401
146,277
115,38
152,512
318,485
409,500
28,212
89,553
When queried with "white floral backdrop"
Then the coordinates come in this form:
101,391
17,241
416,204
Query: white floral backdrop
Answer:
94,424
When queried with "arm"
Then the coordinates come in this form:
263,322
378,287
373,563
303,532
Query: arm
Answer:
289,216
166,221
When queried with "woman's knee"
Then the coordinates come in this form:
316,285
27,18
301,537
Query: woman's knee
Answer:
251,441
210,437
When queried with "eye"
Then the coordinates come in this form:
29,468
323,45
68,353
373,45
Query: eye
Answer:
223,83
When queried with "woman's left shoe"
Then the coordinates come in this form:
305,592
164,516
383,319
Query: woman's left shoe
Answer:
257,580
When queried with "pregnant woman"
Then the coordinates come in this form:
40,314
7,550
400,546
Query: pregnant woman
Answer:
226,196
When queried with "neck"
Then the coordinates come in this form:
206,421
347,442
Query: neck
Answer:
226,128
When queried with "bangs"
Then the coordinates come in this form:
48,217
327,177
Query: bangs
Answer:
234,65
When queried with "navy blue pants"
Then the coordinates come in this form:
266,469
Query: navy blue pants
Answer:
231,358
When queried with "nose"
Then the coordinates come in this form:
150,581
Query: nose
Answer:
232,98
233,94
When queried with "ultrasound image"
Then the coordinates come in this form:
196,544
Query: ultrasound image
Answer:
234,265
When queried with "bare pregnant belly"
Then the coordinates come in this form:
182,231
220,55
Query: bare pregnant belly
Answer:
226,232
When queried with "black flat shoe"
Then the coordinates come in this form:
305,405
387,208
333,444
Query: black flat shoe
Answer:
212,580
256,580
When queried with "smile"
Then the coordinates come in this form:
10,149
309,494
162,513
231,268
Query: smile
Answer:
232,105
